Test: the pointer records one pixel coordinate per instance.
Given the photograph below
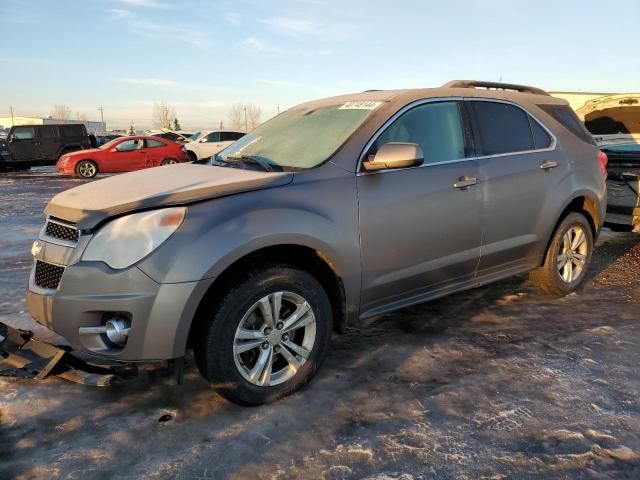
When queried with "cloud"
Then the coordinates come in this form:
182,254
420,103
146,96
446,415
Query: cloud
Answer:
149,82
233,19
118,13
258,45
154,30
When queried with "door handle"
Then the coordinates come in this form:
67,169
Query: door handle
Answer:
465,182
547,164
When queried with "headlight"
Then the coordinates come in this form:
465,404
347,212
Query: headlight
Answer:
126,240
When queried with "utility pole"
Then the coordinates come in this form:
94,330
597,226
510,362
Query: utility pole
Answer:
101,114
11,113
245,119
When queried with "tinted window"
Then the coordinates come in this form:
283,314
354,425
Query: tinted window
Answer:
501,128
436,127
72,131
24,133
154,143
48,131
212,137
231,136
129,145
568,118
540,135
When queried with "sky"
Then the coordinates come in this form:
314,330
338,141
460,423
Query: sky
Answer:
203,56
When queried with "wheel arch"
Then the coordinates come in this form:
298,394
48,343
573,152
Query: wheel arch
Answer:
313,261
583,203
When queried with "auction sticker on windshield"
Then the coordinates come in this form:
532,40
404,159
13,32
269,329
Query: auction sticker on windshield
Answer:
360,106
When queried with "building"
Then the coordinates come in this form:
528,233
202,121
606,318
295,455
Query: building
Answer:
8,122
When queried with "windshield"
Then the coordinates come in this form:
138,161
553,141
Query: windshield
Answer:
194,137
299,138
626,147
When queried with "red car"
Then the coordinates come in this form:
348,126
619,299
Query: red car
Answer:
122,155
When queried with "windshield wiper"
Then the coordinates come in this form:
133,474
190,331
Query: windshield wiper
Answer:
265,165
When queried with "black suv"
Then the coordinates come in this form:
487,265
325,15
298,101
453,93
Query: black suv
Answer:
32,145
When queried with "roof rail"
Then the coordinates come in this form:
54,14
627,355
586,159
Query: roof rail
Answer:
494,86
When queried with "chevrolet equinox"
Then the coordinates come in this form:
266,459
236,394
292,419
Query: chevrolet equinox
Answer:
335,210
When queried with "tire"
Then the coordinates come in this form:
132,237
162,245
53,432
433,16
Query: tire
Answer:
219,339
192,156
168,161
560,276
86,169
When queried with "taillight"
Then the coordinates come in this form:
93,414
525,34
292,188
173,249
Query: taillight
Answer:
603,160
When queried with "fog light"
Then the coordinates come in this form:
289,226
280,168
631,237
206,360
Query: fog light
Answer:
117,330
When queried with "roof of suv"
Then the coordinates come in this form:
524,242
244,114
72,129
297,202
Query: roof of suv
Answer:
456,88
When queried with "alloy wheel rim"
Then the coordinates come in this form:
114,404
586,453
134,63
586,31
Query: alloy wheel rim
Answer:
170,162
87,169
274,338
572,255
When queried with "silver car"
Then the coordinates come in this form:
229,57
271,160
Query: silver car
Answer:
335,210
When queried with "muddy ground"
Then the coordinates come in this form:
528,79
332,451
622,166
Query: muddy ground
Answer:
497,382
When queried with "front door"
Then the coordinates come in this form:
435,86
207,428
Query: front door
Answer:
129,155
23,144
521,173
49,142
420,227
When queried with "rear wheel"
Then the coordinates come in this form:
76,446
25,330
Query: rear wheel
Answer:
267,336
169,161
567,258
86,169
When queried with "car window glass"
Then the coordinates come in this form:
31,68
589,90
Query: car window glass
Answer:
129,145
230,136
48,131
154,143
436,127
568,118
24,133
501,128
72,131
212,137
541,137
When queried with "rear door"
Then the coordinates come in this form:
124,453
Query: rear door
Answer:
49,142
520,169
420,227
128,155
209,145
156,152
23,142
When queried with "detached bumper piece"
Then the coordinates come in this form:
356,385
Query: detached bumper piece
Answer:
21,355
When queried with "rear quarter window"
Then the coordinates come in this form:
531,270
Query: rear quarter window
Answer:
567,117
72,131
154,143
541,137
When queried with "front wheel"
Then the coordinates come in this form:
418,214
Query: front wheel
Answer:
266,337
567,258
86,169
168,161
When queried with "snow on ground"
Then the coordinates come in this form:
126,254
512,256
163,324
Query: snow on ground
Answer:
494,383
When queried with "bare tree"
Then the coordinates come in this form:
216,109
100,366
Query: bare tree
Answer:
162,115
252,116
61,113
244,117
82,117
236,116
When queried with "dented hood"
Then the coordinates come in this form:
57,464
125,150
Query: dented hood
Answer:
91,203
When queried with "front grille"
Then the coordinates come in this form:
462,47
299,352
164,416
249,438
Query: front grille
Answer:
61,232
48,275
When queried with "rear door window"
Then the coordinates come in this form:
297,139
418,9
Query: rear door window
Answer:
436,127
500,128
230,136
541,137
48,131
24,133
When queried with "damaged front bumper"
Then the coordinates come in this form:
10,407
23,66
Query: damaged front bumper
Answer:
23,355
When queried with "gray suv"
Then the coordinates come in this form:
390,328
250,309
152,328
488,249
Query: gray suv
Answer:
335,210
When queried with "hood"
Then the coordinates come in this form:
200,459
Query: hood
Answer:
91,203
82,153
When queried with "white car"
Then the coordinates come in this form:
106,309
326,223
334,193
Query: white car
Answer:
203,145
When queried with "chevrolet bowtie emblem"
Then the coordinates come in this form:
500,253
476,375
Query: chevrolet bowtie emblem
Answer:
36,248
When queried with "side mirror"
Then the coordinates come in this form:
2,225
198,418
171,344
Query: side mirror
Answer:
395,155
